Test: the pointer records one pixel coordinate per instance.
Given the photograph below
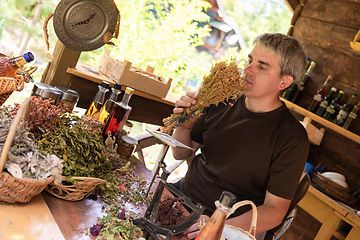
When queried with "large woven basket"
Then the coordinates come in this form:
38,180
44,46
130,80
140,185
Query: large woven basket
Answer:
334,190
18,189
83,188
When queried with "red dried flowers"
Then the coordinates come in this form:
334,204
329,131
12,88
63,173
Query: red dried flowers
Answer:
43,116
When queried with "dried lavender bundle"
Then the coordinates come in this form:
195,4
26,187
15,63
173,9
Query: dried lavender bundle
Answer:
223,83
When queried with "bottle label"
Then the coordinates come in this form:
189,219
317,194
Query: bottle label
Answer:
330,109
324,104
318,97
340,119
352,115
301,87
343,114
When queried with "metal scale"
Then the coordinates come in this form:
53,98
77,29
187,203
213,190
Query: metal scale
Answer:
147,222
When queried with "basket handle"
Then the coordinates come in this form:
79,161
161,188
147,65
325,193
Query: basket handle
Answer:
23,109
252,230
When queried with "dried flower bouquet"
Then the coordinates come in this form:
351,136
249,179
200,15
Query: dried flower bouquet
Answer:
224,82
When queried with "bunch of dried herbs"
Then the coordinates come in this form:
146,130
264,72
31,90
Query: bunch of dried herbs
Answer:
224,82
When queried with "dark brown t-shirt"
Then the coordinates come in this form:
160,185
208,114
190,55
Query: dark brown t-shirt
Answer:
245,153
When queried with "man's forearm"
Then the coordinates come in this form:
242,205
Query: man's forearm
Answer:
268,217
182,135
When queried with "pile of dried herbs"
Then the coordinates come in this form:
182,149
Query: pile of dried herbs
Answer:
223,83
24,159
43,115
86,155
115,225
169,212
83,152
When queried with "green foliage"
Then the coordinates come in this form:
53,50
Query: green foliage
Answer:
166,43
259,16
2,25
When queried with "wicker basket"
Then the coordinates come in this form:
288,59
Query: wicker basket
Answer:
334,190
18,189
83,188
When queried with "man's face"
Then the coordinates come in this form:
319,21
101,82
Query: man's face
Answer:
262,74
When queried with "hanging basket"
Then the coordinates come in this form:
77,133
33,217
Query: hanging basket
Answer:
83,188
18,189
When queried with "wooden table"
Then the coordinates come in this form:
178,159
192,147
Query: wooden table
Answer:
48,217
330,212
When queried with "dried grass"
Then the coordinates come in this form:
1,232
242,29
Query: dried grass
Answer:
224,82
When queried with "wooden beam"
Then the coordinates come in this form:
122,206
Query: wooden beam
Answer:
292,4
63,58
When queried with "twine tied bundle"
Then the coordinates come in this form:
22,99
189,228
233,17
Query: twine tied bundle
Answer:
224,82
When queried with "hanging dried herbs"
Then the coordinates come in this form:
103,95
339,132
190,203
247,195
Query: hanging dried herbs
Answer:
223,83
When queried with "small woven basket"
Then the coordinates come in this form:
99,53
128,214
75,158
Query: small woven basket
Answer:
18,189
334,190
83,188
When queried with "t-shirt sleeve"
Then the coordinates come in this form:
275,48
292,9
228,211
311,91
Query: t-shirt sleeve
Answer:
197,128
286,170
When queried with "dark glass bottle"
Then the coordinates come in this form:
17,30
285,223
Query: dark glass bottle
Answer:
344,111
288,93
9,66
98,101
304,79
352,116
325,102
214,227
118,115
319,96
331,109
109,104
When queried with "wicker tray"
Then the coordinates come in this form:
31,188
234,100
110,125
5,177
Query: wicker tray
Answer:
18,189
334,190
83,188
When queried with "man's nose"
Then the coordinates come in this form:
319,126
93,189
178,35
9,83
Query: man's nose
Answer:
248,68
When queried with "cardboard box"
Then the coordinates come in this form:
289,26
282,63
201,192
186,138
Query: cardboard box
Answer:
145,81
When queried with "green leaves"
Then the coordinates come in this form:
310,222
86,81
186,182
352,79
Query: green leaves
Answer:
83,152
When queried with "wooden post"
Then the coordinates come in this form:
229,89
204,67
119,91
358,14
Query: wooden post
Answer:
63,58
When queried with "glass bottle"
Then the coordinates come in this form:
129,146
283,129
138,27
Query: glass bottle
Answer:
109,104
319,96
98,101
304,79
214,227
9,66
325,102
289,92
118,115
352,116
331,109
344,111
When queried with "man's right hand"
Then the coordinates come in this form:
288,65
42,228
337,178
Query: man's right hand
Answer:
184,102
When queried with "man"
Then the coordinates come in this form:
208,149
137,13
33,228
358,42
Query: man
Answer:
254,147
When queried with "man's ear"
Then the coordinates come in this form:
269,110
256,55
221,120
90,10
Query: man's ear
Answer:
286,81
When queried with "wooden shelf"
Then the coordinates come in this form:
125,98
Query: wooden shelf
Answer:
322,121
